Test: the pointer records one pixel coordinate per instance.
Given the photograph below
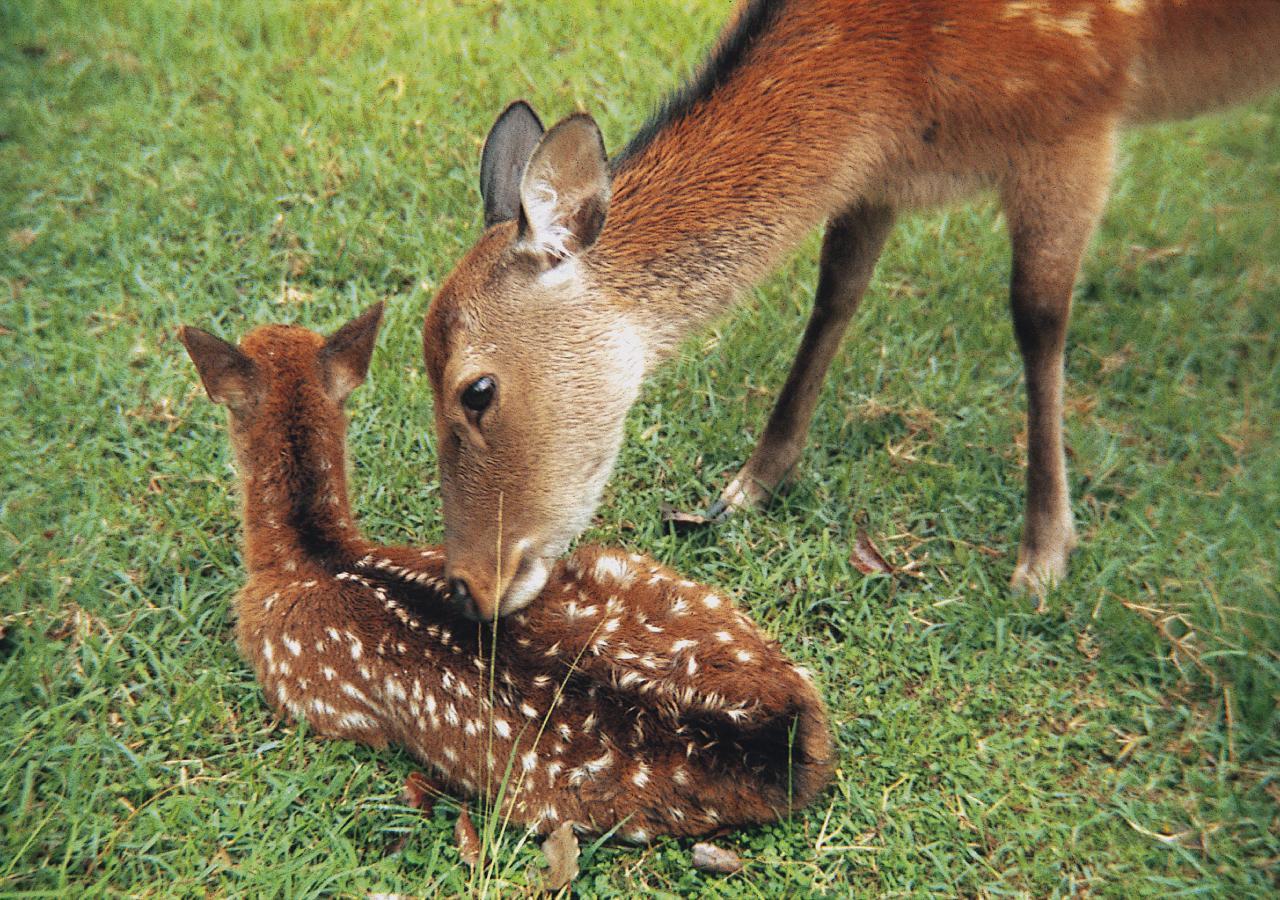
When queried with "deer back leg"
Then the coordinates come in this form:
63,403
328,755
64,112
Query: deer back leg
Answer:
1052,201
850,248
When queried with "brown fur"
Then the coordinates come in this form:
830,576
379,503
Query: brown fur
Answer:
809,111
627,697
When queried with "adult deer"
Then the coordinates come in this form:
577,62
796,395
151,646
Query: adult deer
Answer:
589,272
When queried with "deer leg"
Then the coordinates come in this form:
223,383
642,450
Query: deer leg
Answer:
1052,204
850,248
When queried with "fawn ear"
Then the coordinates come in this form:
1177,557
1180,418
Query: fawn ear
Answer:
346,354
564,193
227,374
506,152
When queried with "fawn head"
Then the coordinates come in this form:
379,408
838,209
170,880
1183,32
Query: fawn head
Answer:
533,367
279,368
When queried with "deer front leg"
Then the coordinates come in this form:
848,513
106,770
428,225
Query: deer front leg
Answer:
1052,204
850,248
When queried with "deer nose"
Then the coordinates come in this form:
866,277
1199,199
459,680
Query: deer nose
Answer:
463,602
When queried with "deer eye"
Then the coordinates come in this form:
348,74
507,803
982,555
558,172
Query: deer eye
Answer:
479,394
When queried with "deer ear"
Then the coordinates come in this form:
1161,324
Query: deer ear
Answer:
506,152
227,374
564,193
346,354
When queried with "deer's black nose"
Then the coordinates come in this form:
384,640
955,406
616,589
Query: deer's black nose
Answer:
463,602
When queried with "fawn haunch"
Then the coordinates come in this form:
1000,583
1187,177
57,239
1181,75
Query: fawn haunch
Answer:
590,271
628,696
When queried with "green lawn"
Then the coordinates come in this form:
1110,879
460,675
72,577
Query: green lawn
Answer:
229,164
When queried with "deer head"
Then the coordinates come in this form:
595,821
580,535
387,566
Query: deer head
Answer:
278,365
533,365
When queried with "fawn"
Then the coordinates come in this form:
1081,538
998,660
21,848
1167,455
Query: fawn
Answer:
629,697
590,271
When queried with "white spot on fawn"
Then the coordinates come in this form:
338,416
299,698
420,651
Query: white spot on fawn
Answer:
393,689
355,693
294,646
711,601
356,720
591,768
502,727
573,611
613,568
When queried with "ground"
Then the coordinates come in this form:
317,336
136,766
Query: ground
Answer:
229,164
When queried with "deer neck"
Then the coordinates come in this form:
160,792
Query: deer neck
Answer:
737,169
296,511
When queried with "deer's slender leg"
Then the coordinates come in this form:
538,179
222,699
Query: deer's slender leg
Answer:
850,248
1052,202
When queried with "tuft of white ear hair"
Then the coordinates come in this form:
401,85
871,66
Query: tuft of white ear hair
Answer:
547,233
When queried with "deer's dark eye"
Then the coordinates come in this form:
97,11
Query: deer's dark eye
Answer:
479,394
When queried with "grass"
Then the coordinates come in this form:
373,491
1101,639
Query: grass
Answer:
228,164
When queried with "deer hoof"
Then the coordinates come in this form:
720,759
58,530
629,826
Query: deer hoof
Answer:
1037,574
743,493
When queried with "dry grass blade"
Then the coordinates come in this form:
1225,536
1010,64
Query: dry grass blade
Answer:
866,558
465,837
561,850
716,860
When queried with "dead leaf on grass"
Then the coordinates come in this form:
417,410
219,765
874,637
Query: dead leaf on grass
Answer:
1086,643
465,837
22,238
1116,361
683,522
421,792
866,558
716,860
561,850
291,294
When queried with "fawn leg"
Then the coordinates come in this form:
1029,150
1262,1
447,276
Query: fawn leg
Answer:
850,248
1052,202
